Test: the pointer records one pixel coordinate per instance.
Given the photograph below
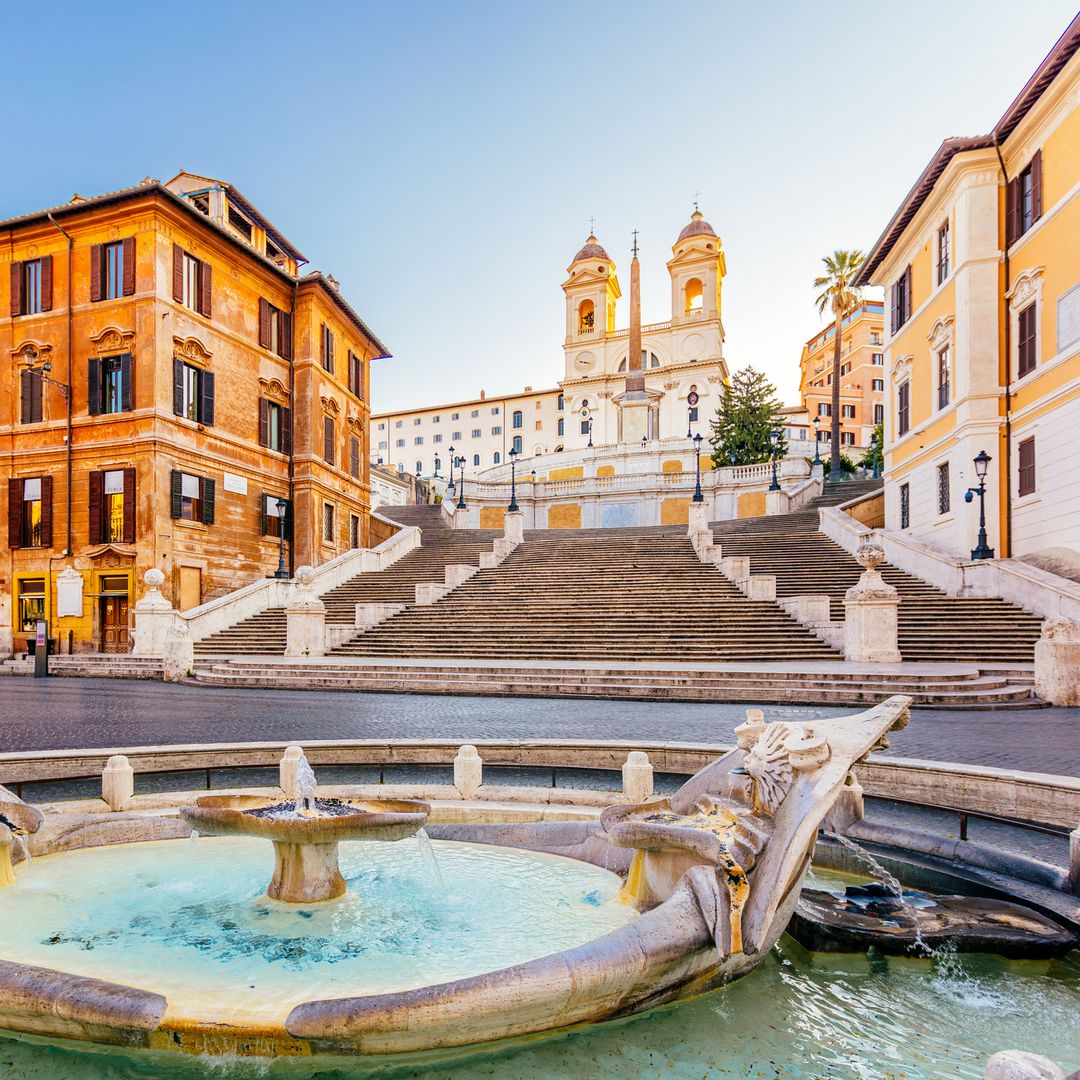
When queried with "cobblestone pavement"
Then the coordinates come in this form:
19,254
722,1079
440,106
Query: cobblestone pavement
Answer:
109,713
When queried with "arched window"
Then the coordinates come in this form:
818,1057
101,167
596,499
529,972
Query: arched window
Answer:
419,467
476,459
498,458
517,444
586,317
518,420
694,296
562,403
648,360
562,425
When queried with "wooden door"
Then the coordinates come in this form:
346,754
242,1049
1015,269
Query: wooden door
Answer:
190,587
114,624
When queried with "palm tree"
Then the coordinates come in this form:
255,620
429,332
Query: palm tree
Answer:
841,296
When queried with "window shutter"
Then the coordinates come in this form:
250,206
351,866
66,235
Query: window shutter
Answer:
97,497
330,350
907,293
93,387
129,506
1012,211
95,271
46,511
178,387
264,422
129,266
264,324
286,431
46,288
126,393
206,493
322,345
1036,186
15,510
892,308
328,440
26,413
16,289
354,457
1027,466
264,518
285,345
176,479
206,395
178,273
205,288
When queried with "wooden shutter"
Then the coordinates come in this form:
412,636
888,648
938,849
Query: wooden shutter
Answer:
206,493
178,387
322,344
893,325
264,422
1027,466
354,457
286,431
206,397
264,324
264,517
16,289
46,511
285,345
328,440
15,512
129,266
93,387
97,497
46,284
205,288
178,273
126,392
907,293
1012,211
26,411
129,506
1036,186
330,350
96,258
176,484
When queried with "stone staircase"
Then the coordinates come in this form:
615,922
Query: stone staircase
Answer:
933,627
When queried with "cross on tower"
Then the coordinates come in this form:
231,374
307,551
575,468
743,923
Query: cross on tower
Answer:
697,199
592,226
635,242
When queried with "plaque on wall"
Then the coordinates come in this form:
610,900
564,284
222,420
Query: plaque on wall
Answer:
69,594
1068,318
232,482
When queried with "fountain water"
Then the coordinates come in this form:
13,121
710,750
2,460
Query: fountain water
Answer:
427,853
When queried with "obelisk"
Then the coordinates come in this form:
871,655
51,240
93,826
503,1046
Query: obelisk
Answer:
633,402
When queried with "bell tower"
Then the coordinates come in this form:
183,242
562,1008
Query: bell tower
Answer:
591,291
697,268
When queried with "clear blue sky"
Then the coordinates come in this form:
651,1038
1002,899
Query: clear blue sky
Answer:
443,159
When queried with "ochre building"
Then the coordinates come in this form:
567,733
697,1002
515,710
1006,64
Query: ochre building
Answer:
981,268
177,393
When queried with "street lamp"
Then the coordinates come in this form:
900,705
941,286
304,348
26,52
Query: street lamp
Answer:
590,431
982,463
877,453
774,440
281,505
30,355
513,507
450,485
734,457
817,440
461,482
644,442
698,497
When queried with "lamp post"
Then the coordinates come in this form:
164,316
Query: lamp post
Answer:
733,456
698,497
450,485
30,355
513,507
877,453
461,482
644,442
982,462
817,440
590,431
774,440
282,506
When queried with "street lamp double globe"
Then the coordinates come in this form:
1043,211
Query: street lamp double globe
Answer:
774,442
453,462
698,497
513,507
282,506
461,482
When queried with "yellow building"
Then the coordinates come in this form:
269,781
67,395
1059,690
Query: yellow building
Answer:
862,377
981,268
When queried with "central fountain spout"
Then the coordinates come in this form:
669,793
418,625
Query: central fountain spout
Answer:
305,830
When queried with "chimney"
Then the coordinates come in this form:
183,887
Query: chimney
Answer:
483,394
334,282
528,389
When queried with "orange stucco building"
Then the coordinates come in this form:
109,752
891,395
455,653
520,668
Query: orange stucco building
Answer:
171,375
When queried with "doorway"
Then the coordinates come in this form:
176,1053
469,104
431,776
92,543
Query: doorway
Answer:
115,634
190,587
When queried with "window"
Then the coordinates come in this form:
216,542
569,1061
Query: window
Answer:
31,603
693,413
847,412
398,423
875,337
437,437
824,409
354,531
354,458
399,443
845,369
475,413
326,350
31,286
1027,466
943,488
517,444
496,458
456,416
562,403
192,497
495,411
943,253
275,426
112,269
33,391
476,433
356,377
847,438
419,467
903,408
943,377
109,384
1026,340
191,281
539,425
30,512
905,506
562,425
193,392
436,419
328,523
476,459
383,445
877,359
275,329
1023,199
584,427
274,521
497,430
455,436
328,440
879,414
416,421
418,441
112,507
517,419
901,300
878,385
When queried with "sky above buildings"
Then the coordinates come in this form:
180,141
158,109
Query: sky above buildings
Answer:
442,160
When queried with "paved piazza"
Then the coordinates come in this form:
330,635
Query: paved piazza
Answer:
109,713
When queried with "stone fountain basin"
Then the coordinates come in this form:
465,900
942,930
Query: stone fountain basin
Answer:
628,827
230,815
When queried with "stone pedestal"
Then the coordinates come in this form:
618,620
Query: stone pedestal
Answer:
305,619
468,771
637,777
1057,662
633,421
179,658
153,617
287,767
117,782
514,527
776,502
306,873
871,613
697,519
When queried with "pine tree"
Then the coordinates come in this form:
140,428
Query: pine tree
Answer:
744,420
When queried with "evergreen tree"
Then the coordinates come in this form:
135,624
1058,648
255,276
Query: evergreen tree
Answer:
746,416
